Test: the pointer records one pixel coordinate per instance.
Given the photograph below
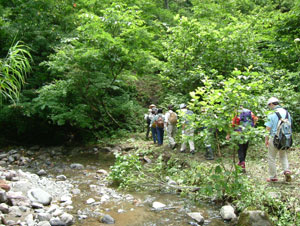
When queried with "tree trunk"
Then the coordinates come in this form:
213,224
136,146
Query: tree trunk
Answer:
166,4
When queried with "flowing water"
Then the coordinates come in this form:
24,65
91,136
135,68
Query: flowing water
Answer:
133,210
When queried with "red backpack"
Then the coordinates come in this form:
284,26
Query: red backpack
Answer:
160,122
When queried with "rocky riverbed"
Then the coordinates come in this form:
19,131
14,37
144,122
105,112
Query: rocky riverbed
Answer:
57,187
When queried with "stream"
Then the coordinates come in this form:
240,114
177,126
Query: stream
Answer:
126,208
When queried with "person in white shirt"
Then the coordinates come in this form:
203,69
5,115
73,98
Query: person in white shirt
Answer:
187,129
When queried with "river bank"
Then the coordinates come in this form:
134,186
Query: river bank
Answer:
217,181
76,181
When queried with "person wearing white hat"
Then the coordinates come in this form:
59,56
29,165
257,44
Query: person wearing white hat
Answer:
271,126
187,130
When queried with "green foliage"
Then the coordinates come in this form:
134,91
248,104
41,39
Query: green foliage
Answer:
13,70
101,53
217,104
126,170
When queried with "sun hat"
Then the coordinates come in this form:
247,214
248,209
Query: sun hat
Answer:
272,100
181,106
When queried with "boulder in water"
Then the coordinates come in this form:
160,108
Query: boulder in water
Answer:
254,218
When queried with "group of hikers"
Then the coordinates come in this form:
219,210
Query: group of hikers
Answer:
278,140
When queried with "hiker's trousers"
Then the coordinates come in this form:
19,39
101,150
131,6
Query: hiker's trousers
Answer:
188,135
154,134
272,152
171,132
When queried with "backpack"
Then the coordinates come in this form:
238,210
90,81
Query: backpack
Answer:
160,122
283,139
246,118
173,118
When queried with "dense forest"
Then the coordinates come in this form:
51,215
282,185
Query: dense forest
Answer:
90,68
82,73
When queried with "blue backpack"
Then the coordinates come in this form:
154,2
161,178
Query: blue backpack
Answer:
283,139
246,118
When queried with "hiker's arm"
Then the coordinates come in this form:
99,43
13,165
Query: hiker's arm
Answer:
267,136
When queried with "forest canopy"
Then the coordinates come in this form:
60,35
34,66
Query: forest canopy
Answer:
96,65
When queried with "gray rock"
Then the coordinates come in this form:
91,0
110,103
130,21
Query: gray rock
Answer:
172,182
102,171
76,166
158,205
254,218
107,219
65,198
57,213
12,152
24,208
227,212
40,196
57,222
52,209
106,149
67,203
61,177
42,173
4,208
67,219
2,156
37,211
9,175
22,185
15,198
81,217
44,223
17,156
44,216
37,205
11,159
15,211
76,191
197,217
90,201
10,222
29,220
3,196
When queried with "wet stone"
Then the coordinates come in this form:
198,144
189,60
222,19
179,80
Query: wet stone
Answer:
158,205
76,166
227,212
107,219
197,217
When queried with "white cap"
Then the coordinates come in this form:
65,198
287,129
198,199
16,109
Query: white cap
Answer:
182,106
272,100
